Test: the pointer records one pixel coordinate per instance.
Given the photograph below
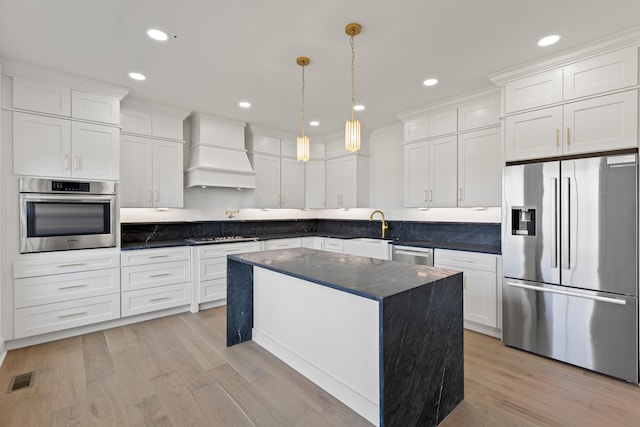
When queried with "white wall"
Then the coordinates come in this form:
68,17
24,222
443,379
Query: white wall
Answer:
2,282
386,166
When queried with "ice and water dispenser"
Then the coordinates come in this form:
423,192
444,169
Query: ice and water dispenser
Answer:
523,221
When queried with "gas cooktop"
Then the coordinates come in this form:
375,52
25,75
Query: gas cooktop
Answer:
218,239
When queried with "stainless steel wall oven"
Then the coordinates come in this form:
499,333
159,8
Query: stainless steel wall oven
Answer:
63,215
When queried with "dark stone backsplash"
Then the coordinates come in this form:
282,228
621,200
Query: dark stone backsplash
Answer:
453,232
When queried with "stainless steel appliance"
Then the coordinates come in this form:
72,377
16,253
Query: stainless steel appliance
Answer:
62,215
570,260
412,255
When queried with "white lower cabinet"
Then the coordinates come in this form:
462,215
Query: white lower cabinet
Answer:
480,283
270,245
210,270
155,279
57,291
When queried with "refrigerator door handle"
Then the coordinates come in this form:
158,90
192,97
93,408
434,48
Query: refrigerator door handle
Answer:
566,232
568,293
554,222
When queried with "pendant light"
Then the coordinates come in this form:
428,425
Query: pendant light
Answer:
352,127
303,141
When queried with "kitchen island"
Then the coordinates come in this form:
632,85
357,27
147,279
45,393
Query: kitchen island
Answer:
383,337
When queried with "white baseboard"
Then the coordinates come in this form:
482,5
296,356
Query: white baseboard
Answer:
3,351
487,330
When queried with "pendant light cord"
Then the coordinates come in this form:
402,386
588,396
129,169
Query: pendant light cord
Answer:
302,115
353,77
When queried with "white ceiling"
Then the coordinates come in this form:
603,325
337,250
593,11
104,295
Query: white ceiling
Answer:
227,51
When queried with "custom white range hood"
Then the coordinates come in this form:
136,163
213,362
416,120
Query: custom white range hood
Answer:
217,154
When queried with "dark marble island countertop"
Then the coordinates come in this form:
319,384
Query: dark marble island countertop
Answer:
366,277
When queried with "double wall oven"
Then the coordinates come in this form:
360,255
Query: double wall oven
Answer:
60,215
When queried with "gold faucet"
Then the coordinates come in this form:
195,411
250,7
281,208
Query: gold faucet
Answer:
385,226
229,214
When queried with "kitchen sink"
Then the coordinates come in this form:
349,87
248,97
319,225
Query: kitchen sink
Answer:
365,246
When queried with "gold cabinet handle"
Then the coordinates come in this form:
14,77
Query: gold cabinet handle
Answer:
430,195
149,196
425,195
66,162
568,136
464,282
459,194
557,137
156,193
76,161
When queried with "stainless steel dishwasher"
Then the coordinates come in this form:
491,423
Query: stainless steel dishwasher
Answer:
412,255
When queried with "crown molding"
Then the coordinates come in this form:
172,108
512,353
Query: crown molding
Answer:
153,107
620,40
20,69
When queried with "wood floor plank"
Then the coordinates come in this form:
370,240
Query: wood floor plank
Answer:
182,408
106,407
220,408
149,412
97,358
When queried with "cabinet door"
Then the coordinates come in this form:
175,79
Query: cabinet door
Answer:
534,135
136,176
95,151
292,183
416,129
443,123
614,70
267,191
479,114
604,123
167,174
480,297
315,184
415,175
334,183
480,168
443,175
137,122
46,97
95,107
533,91
41,145
166,127
349,182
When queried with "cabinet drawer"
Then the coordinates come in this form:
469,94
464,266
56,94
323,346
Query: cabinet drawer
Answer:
64,315
159,255
213,290
213,268
282,244
57,263
222,250
148,276
153,299
466,260
46,97
95,107
334,245
33,291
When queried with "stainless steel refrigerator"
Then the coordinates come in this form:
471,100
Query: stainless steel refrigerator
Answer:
570,260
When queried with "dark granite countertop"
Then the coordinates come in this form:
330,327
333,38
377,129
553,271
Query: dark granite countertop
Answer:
366,277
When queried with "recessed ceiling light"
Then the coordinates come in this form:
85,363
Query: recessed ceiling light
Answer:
314,123
157,34
358,107
549,40
244,104
430,82
137,76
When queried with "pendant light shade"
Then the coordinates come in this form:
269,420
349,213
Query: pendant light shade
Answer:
352,127
303,140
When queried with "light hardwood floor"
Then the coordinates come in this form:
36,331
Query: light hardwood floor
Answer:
176,371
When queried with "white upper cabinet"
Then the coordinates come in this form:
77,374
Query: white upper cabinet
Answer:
533,91
157,125
443,123
430,176
346,182
611,71
597,124
480,168
478,114
597,75
135,122
95,107
280,178
48,146
315,184
95,151
151,173
41,96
